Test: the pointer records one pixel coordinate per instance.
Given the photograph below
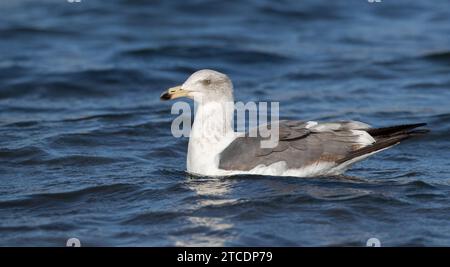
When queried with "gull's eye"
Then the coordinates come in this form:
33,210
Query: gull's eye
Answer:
206,82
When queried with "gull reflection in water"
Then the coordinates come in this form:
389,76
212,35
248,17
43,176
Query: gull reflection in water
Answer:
205,229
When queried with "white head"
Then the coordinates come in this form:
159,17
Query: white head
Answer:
203,86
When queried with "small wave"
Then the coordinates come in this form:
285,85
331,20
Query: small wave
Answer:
49,89
320,193
394,113
93,83
402,158
441,57
228,54
172,172
164,152
343,213
111,77
426,196
405,63
303,14
76,139
418,241
34,109
11,73
377,198
74,160
341,75
416,184
440,118
110,136
154,217
22,154
43,199
22,124
309,76
59,226
154,127
101,190
409,174
429,85
105,117
31,32
268,202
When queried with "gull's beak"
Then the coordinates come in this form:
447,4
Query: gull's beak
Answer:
174,92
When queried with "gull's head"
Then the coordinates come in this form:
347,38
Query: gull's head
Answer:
203,86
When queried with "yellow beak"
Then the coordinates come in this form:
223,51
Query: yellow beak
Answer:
174,92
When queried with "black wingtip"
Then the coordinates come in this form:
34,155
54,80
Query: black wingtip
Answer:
394,130
387,137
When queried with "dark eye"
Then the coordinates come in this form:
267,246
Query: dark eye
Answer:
206,82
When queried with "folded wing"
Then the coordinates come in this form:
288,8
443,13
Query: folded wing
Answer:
301,144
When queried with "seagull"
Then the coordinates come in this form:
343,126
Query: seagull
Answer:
304,148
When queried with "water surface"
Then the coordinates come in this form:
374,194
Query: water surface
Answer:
86,149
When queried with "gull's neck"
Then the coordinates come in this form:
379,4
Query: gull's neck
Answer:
212,131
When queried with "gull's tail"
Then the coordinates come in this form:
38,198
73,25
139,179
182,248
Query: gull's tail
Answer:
386,137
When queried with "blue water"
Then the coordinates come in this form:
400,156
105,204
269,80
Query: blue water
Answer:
85,143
